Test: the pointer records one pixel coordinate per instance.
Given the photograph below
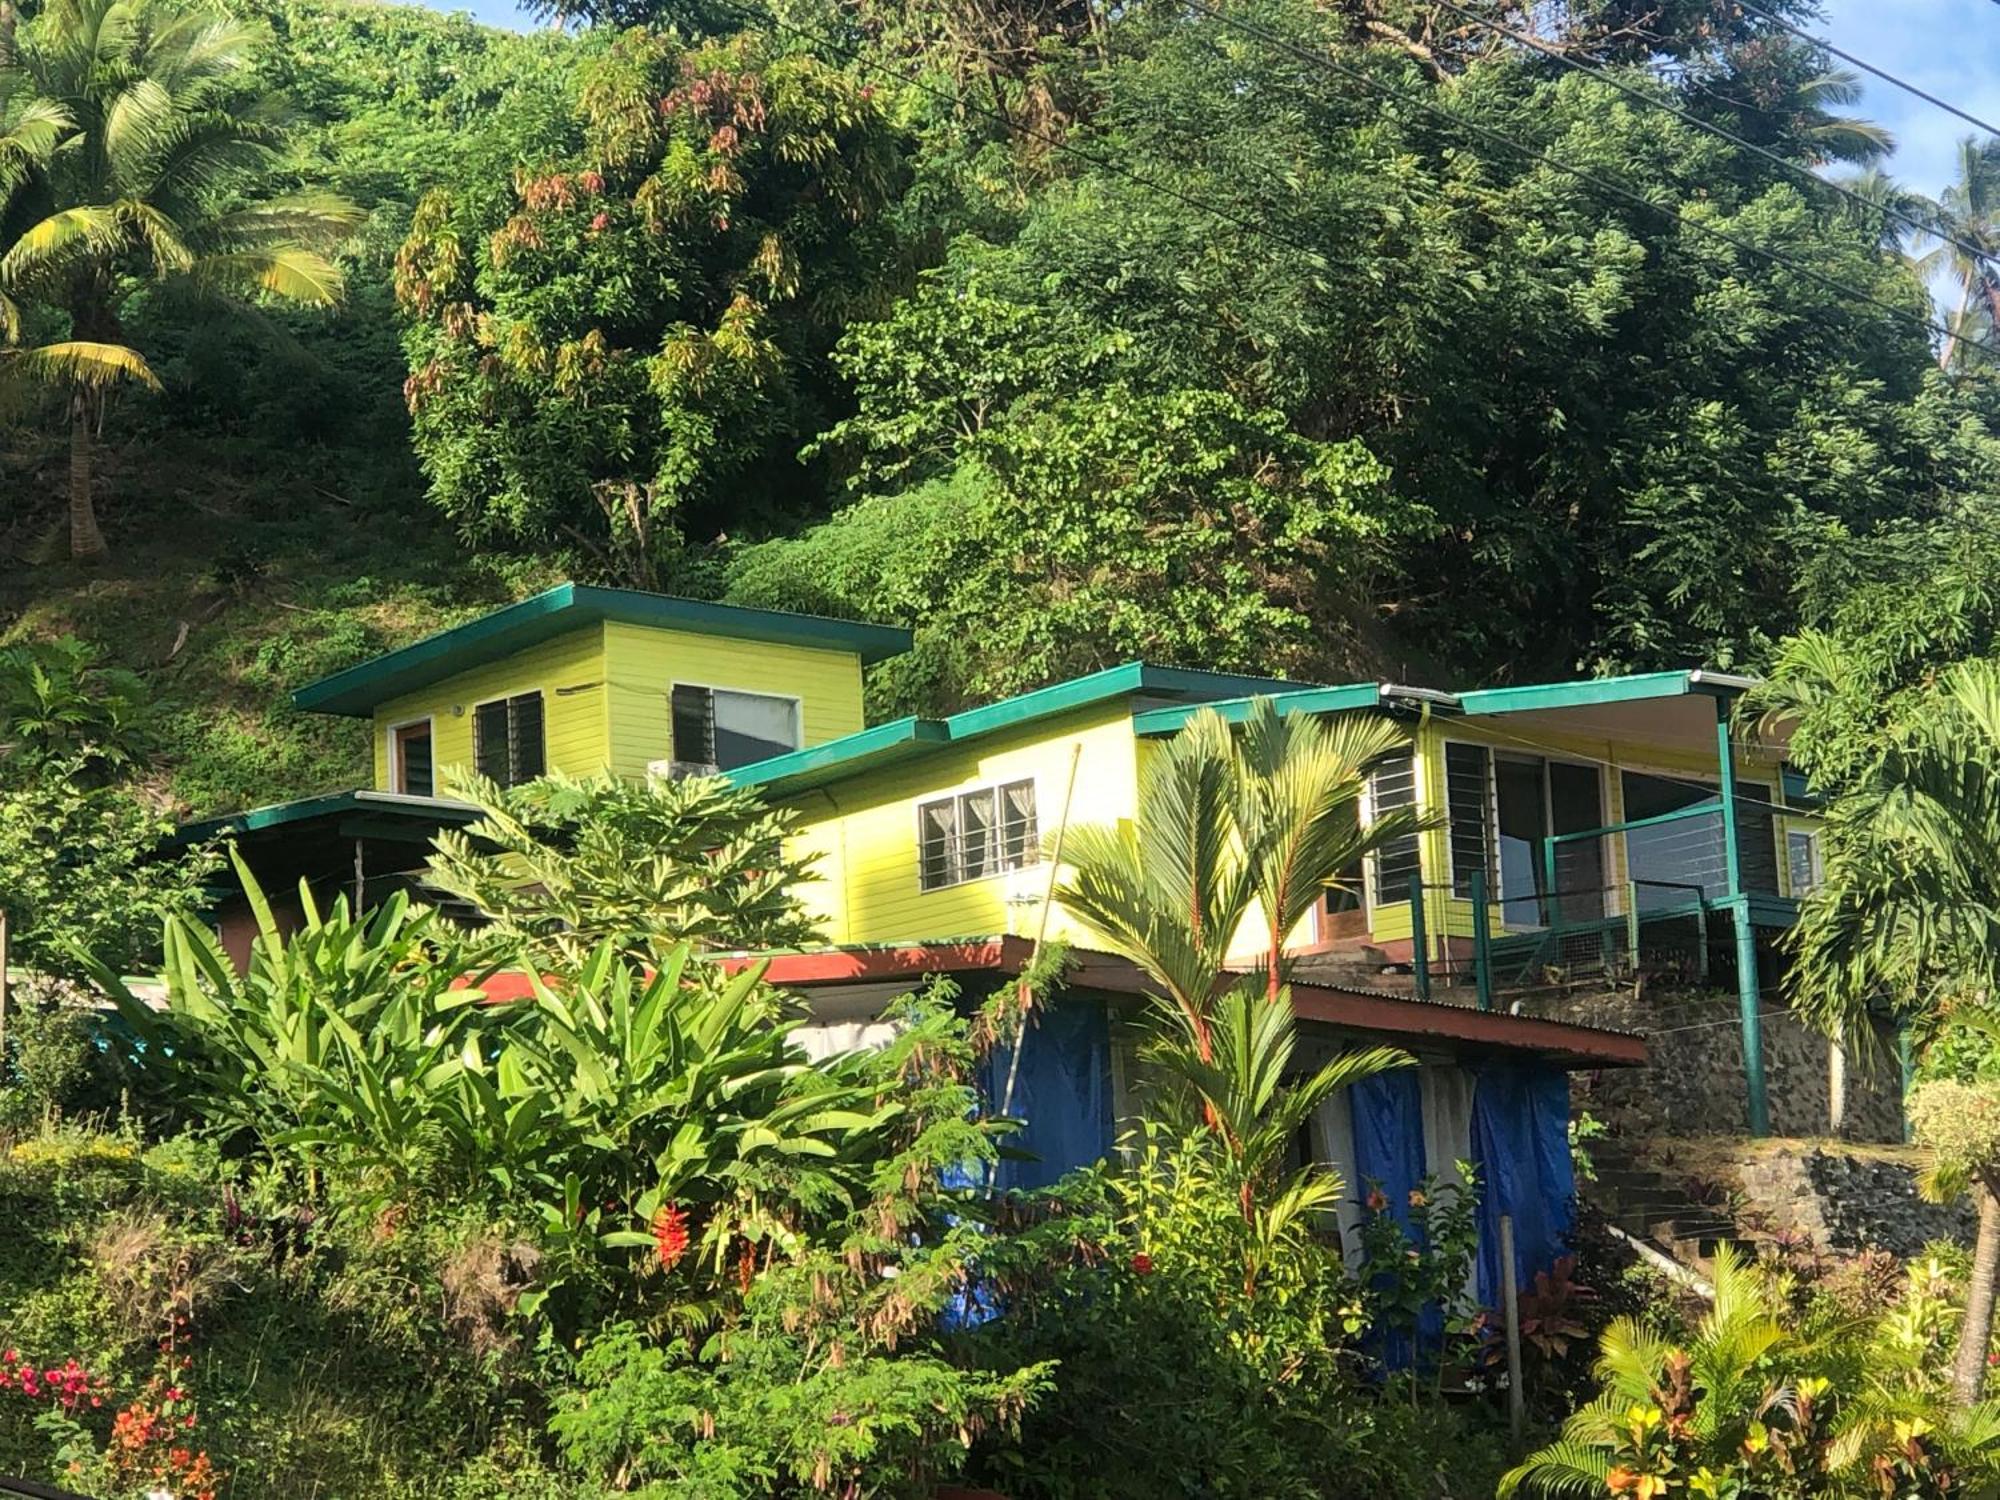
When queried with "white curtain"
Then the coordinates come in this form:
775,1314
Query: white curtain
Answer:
1333,1147
1446,1091
823,1041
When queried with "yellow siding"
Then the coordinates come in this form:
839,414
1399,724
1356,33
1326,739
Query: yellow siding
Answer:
645,663
568,670
863,833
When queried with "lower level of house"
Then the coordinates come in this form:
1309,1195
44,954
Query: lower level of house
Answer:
1486,1088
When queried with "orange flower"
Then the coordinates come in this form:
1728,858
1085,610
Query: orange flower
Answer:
670,1234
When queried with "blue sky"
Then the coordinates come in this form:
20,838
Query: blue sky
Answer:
1950,47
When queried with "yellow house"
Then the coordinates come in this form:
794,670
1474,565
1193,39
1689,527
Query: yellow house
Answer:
581,680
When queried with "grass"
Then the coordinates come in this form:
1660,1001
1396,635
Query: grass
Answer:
235,577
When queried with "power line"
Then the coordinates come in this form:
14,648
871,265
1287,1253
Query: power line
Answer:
1602,184
1868,67
1928,228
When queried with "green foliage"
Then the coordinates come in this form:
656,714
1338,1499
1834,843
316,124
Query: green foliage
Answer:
146,157
606,353
1907,911
45,1057
1753,1402
82,873
564,864
60,703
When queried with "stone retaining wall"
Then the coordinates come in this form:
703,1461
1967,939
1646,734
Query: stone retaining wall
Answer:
1695,1084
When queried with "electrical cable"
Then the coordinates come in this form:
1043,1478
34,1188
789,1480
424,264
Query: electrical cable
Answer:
1799,169
1602,184
1867,67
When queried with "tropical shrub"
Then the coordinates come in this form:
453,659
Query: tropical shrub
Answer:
1757,1402
82,870
60,704
563,864
363,1051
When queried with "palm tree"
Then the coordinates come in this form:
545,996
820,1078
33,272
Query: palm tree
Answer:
1969,212
139,160
1225,830
1233,837
1831,136
1907,919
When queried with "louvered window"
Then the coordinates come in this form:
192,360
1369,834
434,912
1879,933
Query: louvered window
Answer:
508,739
1468,788
1393,784
725,729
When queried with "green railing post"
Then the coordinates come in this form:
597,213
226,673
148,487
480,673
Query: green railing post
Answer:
1550,909
1420,956
1748,1000
1632,925
1482,942
1701,938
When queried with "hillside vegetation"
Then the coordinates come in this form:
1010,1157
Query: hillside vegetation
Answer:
1289,338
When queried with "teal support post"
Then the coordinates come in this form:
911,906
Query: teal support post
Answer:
1632,925
1550,907
1749,1001
1420,948
1482,942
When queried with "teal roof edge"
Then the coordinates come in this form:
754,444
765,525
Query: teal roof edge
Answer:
356,691
1154,722
890,743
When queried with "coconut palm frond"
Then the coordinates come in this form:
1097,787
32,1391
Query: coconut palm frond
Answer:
286,272
81,363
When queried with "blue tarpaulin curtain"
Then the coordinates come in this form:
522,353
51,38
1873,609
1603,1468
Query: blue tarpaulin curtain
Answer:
1063,1092
1389,1154
1520,1140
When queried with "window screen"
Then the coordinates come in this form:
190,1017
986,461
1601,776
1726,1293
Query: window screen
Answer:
973,834
1468,798
1391,785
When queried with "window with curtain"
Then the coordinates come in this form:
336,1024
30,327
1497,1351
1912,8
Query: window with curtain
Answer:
723,728
508,743
1468,782
973,834
1393,784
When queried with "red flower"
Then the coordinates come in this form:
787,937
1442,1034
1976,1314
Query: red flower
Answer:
670,1234
1377,1200
600,222
1143,1263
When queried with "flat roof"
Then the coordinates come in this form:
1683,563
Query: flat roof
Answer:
327,805
903,739
568,606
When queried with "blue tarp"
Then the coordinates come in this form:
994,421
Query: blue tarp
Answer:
1520,1140
1388,1112
1063,1092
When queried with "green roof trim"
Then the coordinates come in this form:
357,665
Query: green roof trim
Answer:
1331,700
570,606
887,744
326,805
1593,691
871,749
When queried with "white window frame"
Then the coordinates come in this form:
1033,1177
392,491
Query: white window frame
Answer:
952,794
508,696
1419,799
394,760
798,708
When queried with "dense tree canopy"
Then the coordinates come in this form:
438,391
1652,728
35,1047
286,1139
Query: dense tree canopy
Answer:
1462,340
